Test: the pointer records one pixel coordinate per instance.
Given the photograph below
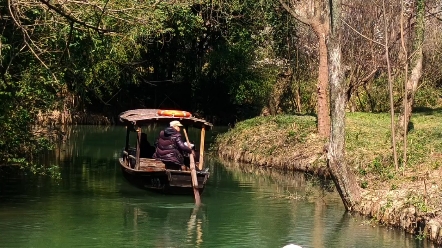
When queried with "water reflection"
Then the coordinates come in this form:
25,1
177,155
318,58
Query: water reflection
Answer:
288,185
313,214
165,224
92,205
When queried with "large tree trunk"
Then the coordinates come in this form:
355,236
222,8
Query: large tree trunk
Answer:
343,176
322,87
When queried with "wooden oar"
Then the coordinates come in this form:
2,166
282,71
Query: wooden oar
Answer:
196,193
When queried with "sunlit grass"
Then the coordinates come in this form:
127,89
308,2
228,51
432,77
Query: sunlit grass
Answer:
277,138
368,144
369,150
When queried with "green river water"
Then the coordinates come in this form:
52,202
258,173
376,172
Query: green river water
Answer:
91,205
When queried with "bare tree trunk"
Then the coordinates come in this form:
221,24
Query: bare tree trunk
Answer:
298,97
311,13
275,97
412,84
322,87
390,87
416,64
343,176
404,127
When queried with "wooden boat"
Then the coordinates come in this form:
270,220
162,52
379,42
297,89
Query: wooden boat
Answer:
145,172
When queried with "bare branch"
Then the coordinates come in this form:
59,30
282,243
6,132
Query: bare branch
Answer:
356,31
72,19
26,37
300,18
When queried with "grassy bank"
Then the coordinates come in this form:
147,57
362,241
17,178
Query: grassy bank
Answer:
409,198
368,149
285,142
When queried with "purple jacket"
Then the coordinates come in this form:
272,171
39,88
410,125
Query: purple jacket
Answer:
170,147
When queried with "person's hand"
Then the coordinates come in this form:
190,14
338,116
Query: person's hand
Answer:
191,145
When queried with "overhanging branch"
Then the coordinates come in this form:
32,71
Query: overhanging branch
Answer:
73,19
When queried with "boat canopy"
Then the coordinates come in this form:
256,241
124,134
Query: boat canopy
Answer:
143,117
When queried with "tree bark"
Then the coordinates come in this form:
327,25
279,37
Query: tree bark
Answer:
322,87
342,175
416,64
412,84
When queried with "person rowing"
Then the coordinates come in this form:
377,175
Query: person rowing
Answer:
170,147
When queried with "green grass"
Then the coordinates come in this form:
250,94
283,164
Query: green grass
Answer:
264,136
368,143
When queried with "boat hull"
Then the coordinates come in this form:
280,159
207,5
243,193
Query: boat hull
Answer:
164,180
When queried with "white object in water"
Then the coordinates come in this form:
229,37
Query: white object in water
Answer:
291,246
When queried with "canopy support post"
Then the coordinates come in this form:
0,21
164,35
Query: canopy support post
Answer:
201,159
138,148
126,148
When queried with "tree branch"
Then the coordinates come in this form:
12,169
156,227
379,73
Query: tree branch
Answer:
72,19
26,37
366,37
294,14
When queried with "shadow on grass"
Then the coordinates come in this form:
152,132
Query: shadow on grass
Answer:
427,110
410,126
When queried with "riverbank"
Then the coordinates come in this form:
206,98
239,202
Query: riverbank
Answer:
410,198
